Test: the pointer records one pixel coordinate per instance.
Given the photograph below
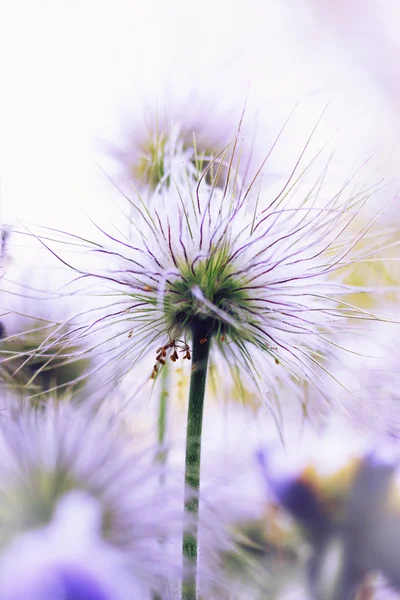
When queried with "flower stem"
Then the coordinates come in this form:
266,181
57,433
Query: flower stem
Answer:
162,415
161,430
200,354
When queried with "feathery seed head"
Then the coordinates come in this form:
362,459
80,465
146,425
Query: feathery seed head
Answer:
37,355
38,362
192,134
42,350
256,271
162,150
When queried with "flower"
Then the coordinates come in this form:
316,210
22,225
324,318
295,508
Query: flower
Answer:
66,559
351,519
41,351
37,357
55,461
253,274
190,130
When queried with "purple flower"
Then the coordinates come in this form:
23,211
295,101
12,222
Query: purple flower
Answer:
67,559
80,508
353,532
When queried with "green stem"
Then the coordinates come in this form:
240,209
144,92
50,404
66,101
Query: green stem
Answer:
162,414
161,429
200,355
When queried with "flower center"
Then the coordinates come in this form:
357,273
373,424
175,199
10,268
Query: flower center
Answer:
160,149
150,166
207,290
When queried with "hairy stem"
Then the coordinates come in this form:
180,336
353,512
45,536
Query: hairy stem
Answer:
200,355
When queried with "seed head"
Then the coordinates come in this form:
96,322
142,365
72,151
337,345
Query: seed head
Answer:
256,271
37,355
192,134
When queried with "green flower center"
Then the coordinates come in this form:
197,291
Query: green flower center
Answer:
208,290
152,166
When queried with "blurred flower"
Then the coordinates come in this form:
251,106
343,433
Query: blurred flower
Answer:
40,355
351,520
37,364
255,274
66,559
57,461
190,134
